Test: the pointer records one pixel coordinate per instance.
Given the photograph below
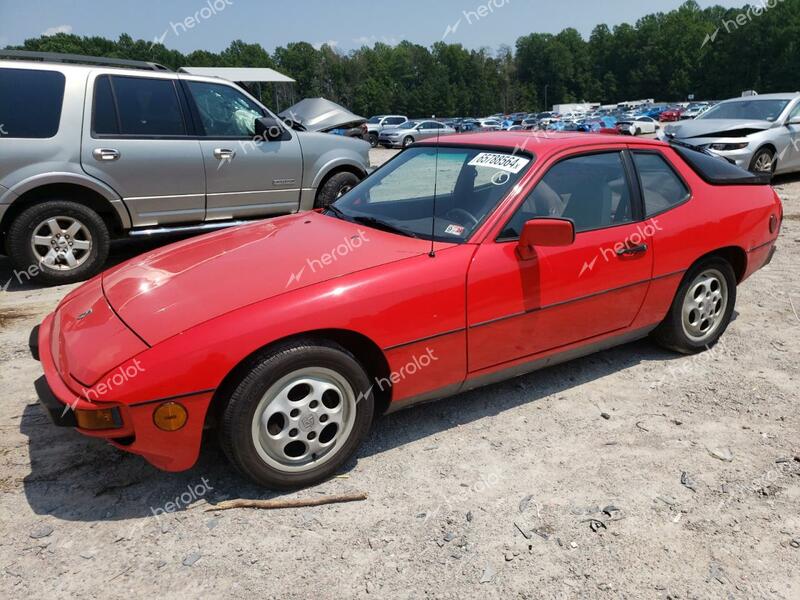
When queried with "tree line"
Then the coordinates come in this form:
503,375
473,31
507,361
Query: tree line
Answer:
711,53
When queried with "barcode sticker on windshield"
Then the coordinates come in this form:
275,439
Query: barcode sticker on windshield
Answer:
504,162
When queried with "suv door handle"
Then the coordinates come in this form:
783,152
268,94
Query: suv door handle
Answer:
631,250
105,154
224,154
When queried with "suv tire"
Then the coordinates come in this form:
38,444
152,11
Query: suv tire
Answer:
58,242
373,140
339,184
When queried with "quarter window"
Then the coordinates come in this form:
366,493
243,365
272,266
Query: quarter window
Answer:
224,111
661,187
592,191
30,103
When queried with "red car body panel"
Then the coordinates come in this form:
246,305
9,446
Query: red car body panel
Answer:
186,315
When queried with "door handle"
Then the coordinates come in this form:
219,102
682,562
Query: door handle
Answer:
631,250
105,154
224,154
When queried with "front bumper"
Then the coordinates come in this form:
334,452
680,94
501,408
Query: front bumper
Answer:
133,428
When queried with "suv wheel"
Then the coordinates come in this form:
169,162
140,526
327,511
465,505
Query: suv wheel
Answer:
334,188
58,242
373,139
298,415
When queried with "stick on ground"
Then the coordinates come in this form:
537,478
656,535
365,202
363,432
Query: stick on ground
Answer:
289,503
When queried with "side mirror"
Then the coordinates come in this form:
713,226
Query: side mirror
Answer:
269,129
794,121
544,232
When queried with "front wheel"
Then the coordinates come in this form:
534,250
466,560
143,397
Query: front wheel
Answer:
701,310
408,141
763,162
299,414
373,140
58,242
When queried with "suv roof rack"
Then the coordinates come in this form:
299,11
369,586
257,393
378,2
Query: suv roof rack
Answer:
57,57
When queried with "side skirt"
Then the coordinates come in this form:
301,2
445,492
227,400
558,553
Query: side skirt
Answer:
522,369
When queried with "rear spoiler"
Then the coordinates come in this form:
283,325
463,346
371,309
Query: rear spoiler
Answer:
717,170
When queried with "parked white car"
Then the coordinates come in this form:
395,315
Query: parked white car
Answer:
638,126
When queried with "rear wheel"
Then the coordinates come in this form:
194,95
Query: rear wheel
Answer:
58,242
702,309
764,161
335,188
298,415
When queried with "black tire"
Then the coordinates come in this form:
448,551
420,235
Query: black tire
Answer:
337,185
236,426
671,334
373,140
24,226
764,154
638,131
407,141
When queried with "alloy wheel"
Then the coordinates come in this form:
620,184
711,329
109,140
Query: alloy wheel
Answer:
704,305
764,162
304,419
61,243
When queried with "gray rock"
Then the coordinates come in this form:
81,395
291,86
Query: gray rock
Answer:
41,531
191,559
723,454
488,574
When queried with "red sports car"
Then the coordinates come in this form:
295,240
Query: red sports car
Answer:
459,263
671,115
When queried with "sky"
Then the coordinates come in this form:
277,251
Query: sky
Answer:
344,24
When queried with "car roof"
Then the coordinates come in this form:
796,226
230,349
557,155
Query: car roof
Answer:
540,142
780,96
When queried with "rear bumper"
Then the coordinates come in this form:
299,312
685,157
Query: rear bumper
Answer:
134,429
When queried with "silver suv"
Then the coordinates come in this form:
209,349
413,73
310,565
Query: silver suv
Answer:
93,152
375,125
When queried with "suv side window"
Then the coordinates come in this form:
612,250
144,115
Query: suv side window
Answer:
224,112
591,190
30,103
395,120
139,105
661,187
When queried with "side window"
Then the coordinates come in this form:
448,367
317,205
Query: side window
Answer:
592,191
395,120
148,106
224,111
662,188
104,114
795,113
30,103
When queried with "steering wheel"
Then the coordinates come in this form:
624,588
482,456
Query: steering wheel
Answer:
454,212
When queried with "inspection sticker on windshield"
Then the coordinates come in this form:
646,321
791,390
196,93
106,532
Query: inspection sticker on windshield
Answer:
454,230
505,162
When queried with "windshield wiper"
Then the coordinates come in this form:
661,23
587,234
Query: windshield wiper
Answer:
378,224
339,214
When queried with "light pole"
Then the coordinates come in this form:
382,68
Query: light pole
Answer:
546,85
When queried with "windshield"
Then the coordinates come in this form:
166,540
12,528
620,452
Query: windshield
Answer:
399,197
374,120
751,110
408,125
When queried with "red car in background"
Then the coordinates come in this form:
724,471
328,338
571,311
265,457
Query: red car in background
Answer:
671,114
457,264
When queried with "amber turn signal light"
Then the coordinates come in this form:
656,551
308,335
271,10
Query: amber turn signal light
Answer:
106,418
170,416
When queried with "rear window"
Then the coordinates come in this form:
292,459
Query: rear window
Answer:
717,170
33,109
661,187
137,106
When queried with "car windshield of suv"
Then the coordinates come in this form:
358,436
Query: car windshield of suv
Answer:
467,184
374,120
751,110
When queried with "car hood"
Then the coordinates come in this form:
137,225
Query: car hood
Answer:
319,114
703,128
164,292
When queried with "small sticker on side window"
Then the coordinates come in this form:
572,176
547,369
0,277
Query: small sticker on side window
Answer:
504,162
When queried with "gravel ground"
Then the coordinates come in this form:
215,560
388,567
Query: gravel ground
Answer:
634,473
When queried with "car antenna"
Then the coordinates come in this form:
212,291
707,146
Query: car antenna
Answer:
432,253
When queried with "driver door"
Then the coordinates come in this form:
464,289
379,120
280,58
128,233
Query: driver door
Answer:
246,176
